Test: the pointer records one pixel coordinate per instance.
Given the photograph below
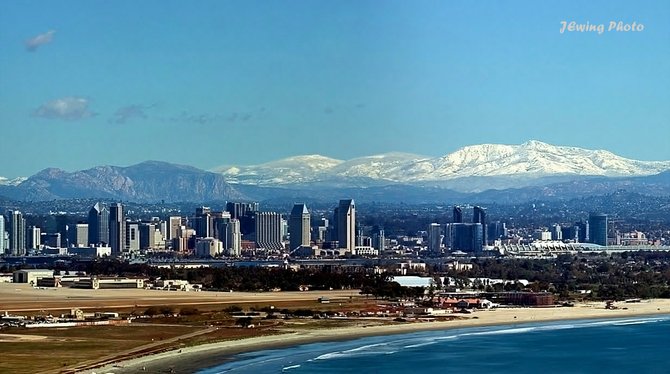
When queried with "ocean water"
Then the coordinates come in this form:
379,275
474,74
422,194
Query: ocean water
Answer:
631,345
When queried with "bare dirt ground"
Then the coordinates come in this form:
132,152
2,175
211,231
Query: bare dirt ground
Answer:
16,298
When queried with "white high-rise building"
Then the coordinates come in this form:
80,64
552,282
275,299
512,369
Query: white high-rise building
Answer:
298,227
16,226
346,224
172,229
2,234
234,238
34,237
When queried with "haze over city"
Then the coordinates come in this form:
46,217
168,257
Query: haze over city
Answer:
216,83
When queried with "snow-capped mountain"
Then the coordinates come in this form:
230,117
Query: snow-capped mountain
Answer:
529,160
297,169
11,182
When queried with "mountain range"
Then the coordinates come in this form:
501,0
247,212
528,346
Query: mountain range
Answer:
501,166
147,181
488,172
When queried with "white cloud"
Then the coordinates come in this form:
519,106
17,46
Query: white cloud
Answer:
35,42
66,108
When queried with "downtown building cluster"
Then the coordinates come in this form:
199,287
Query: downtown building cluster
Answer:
242,229
240,226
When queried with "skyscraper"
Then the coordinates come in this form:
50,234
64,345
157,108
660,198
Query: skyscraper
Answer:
298,226
458,214
147,235
132,236
34,237
233,244
78,234
467,237
598,228
2,234
203,222
268,230
117,229
16,226
435,239
346,224
479,216
61,228
98,225
172,228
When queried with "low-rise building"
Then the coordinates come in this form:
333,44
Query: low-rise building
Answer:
31,275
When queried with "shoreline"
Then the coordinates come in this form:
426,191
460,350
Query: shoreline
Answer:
194,358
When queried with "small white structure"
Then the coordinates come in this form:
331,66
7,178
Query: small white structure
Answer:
31,275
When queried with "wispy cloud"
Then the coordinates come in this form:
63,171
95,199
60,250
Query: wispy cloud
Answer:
37,41
207,118
66,108
129,113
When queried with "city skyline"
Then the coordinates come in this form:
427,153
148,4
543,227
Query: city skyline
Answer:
297,77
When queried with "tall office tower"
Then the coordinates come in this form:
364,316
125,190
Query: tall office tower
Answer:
61,228
98,225
479,216
233,243
458,214
379,241
220,222
556,232
202,222
227,230
435,239
467,237
583,231
298,226
34,237
147,235
320,231
598,228
284,228
172,229
2,234
16,226
448,235
132,236
117,229
78,234
268,230
346,224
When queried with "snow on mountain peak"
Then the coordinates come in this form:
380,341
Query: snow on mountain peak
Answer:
11,182
531,159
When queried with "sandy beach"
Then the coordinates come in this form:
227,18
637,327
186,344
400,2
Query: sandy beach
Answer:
189,359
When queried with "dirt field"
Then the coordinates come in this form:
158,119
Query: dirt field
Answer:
23,298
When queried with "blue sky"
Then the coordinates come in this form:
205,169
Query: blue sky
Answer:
208,83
